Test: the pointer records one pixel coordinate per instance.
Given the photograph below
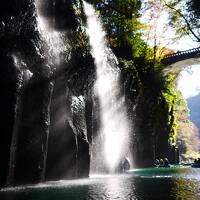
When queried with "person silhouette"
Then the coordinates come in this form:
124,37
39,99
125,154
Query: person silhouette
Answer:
157,163
166,162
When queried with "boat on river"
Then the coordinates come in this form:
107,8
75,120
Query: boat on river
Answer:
158,171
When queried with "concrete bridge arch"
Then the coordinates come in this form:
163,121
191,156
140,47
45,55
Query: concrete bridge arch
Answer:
176,62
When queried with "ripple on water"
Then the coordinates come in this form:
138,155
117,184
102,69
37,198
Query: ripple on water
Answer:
179,186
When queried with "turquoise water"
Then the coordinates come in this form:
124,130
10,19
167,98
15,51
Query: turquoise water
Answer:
175,183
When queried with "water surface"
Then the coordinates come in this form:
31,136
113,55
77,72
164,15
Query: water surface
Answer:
144,184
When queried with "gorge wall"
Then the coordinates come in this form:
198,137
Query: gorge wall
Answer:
49,114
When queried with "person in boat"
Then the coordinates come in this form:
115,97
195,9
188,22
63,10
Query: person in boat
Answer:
196,163
166,163
156,163
161,163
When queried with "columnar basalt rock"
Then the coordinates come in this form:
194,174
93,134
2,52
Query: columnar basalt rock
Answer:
62,147
57,118
78,122
43,149
8,84
33,132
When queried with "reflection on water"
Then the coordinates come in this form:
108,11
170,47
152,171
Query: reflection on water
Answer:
118,187
175,184
182,189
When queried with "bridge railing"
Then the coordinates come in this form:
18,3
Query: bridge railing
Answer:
181,53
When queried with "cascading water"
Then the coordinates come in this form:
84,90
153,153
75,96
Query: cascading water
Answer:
53,38
112,142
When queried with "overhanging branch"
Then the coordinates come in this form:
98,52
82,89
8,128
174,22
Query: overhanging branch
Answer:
185,19
127,15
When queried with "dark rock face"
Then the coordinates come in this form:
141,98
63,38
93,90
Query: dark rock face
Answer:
144,134
62,147
42,130
33,132
78,122
152,134
148,117
60,14
8,85
64,14
89,117
49,120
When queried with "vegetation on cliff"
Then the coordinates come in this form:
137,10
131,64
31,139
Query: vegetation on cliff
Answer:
187,133
158,109
184,17
136,45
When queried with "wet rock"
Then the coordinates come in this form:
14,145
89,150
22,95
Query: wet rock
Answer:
60,13
33,131
8,88
80,128
62,144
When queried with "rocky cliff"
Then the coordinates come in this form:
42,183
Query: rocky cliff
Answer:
48,112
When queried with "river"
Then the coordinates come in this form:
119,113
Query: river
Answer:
175,183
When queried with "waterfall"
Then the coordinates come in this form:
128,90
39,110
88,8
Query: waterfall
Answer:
112,142
57,53
53,38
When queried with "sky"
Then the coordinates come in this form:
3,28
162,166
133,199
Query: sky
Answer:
189,81
189,78
157,20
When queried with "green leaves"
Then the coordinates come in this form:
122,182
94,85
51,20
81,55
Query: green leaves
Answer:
120,18
125,32
185,17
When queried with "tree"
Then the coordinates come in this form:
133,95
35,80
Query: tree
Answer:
185,17
121,20
187,133
157,30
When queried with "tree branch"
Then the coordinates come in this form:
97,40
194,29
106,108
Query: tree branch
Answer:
185,19
117,10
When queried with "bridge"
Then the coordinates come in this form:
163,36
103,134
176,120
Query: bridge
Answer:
181,55
181,59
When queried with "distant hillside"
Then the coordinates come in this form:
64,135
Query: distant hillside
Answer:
194,107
